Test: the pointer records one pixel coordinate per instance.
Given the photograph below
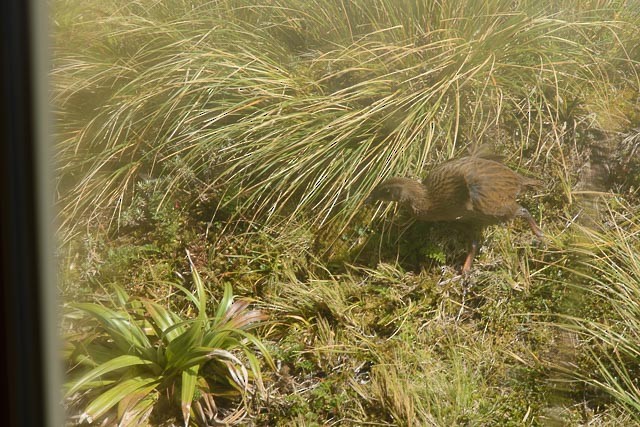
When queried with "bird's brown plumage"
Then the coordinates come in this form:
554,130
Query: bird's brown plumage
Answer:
476,190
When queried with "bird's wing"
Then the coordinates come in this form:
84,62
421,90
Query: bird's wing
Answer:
448,186
492,188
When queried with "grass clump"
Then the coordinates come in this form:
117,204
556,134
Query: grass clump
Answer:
305,122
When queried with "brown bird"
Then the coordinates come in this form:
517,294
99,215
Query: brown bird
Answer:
476,191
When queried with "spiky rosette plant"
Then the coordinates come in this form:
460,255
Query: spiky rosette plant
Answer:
132,356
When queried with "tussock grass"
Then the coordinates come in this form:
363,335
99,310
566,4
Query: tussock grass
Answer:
287,111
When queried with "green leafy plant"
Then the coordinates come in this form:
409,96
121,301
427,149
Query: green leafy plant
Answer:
141,351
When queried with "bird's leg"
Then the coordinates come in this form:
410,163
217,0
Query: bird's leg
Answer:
466,267
524,213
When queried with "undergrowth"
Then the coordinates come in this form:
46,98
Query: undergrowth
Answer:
250,134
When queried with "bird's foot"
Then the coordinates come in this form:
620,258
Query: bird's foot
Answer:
467,282
448,275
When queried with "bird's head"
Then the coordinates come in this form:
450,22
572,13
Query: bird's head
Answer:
396,190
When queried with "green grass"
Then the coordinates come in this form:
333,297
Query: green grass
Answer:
250,133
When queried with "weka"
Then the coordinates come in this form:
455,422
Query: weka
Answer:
476,191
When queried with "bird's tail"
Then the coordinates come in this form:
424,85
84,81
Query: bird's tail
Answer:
485,151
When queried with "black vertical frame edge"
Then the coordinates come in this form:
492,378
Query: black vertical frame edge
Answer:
25,246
